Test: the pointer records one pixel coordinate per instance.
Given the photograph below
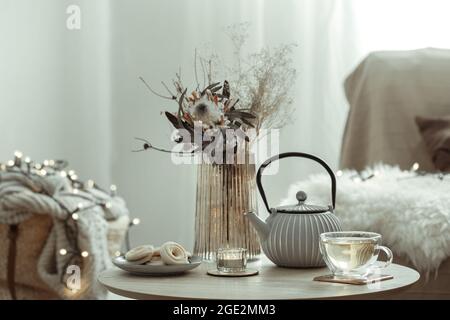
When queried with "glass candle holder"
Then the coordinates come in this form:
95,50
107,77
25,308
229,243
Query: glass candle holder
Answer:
231,260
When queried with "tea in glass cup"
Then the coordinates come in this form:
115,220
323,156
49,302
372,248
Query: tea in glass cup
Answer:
352,253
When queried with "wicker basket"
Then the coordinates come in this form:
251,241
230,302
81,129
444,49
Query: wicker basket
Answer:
31,239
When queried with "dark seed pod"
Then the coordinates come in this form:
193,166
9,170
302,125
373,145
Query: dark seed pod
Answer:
226,89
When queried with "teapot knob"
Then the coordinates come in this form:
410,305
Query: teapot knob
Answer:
301,196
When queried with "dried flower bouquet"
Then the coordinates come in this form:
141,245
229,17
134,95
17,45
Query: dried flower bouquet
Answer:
256,97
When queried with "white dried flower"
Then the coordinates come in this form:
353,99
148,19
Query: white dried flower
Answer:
205,111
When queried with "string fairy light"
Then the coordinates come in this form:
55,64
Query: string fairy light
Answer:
90,183
18,154
360,177
28,164
18,158
364,176
56,167
133,222
113,190
357,180
420,173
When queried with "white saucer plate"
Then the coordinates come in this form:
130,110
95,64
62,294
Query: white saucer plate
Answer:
156,270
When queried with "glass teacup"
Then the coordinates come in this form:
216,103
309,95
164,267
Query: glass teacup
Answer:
352,254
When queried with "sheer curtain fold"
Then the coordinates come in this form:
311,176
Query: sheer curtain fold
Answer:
76,94
55,84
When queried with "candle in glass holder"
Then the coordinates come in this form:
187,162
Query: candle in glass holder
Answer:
231,260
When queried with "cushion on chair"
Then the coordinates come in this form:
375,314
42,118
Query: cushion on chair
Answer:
436,133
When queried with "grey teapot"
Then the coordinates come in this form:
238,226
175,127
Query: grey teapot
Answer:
290,235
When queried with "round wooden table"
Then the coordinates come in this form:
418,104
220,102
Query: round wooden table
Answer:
272,282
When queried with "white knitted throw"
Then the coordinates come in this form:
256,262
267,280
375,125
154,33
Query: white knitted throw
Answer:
412,214
22,196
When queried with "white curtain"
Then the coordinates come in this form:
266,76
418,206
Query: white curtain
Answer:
55,84
76,94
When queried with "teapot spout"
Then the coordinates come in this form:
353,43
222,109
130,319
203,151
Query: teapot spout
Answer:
260,226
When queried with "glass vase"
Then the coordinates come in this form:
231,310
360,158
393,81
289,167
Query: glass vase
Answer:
224,193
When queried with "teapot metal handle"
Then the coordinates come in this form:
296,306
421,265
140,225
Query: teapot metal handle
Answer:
299,155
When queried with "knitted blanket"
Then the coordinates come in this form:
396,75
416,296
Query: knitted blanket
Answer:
411,211
24,196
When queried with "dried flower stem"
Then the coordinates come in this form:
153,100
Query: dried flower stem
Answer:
154,92
168,90
147,145
195,69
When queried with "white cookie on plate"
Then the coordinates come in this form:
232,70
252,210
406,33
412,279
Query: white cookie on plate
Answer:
156,261
173,253
140,254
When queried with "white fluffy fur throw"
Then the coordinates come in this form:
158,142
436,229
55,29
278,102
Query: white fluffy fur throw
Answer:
411,212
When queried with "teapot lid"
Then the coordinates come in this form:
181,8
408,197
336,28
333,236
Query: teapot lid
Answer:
301,206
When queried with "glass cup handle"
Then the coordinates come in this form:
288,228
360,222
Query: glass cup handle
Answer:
389,256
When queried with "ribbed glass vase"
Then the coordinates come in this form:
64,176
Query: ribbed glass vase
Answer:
224,193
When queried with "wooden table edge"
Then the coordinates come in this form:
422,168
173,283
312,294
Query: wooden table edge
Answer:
377,295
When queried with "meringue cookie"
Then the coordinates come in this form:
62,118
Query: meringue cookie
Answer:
156,261
144,260
173,253
140,254
156,258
